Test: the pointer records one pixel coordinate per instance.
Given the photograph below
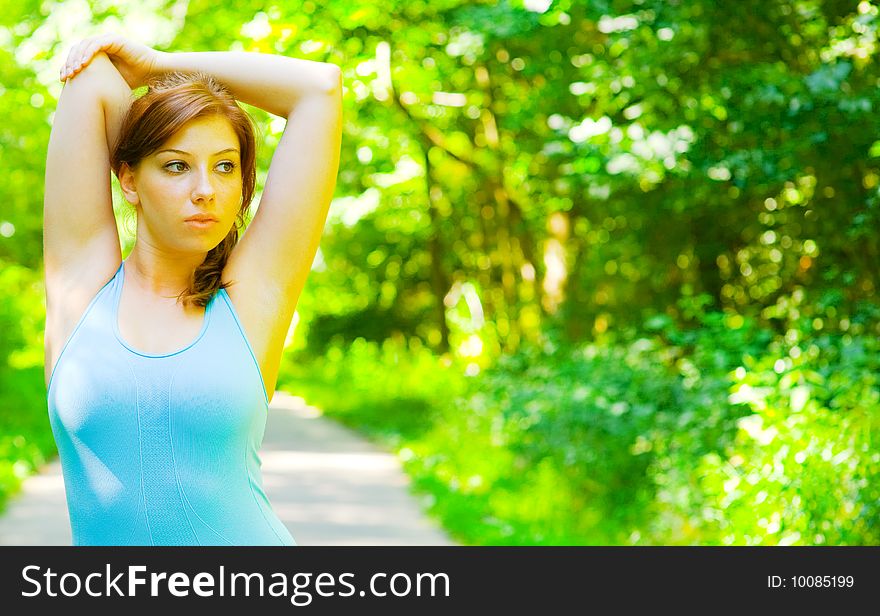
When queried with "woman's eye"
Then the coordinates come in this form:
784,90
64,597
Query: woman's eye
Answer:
230,166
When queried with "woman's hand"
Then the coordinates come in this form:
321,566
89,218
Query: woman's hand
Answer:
134,61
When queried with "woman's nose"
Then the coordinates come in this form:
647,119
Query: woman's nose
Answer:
203,188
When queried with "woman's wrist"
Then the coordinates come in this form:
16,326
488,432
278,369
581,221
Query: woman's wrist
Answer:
161,64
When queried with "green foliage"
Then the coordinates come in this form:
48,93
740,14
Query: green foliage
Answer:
802,468
390,390
25,433
725,437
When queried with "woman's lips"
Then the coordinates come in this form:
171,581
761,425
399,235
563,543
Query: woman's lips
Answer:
200,223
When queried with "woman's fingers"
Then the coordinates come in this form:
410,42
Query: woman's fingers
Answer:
71,65
94,46
81,54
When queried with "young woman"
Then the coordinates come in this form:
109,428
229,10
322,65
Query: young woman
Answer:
160,369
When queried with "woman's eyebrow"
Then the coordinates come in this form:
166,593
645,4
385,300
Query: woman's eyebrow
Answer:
188,154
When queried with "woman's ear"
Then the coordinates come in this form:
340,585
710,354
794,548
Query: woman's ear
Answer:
126,183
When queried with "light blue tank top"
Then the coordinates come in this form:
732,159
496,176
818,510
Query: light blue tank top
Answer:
162,449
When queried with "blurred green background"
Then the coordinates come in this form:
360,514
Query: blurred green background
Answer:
598,272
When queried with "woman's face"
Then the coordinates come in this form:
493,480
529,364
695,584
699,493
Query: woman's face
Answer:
201,177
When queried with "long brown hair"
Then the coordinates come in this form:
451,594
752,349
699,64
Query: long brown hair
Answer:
172,100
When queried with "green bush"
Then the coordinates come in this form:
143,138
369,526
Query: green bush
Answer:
801,468
718,434
26,440
390,390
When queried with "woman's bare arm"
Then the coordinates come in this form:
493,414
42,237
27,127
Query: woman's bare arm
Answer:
273,83
81,248
116,100
77,206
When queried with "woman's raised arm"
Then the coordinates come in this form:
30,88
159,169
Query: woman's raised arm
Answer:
81,248
78,225
273,83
